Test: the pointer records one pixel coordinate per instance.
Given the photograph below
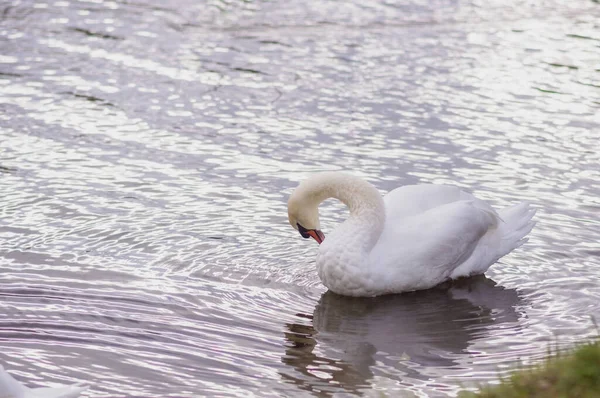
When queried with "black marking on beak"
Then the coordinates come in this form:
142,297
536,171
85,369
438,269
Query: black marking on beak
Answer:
311,233
303,231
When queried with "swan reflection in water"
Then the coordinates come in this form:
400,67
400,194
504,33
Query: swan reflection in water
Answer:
407,332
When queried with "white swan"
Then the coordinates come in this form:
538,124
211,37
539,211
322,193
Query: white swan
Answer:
10,388
414,238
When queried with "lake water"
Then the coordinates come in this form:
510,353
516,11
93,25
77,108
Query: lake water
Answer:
147,149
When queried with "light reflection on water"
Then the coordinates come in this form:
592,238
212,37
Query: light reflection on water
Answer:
147,152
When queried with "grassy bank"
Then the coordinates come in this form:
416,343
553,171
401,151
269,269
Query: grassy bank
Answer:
572,374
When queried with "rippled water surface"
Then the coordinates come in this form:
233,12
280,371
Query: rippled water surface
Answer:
147,149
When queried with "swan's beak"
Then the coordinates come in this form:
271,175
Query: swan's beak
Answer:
316,235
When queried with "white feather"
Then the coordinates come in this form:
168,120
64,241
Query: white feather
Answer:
11,388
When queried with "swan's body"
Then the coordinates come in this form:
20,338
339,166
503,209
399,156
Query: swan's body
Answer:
414,238
11,388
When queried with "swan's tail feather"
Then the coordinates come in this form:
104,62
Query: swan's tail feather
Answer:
517,223
11,388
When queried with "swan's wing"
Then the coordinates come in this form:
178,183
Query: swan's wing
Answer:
427,247
411,200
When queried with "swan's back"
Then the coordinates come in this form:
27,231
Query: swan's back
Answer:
411,200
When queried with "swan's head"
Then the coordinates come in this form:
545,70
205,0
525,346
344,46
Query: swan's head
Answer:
303,214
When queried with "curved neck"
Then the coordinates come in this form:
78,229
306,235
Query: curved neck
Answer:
367,210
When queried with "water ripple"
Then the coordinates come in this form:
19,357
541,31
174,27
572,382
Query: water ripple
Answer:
148,151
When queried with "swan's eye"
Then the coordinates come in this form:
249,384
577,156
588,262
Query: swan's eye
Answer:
303,231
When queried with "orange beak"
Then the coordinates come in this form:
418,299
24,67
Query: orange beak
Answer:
316,235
